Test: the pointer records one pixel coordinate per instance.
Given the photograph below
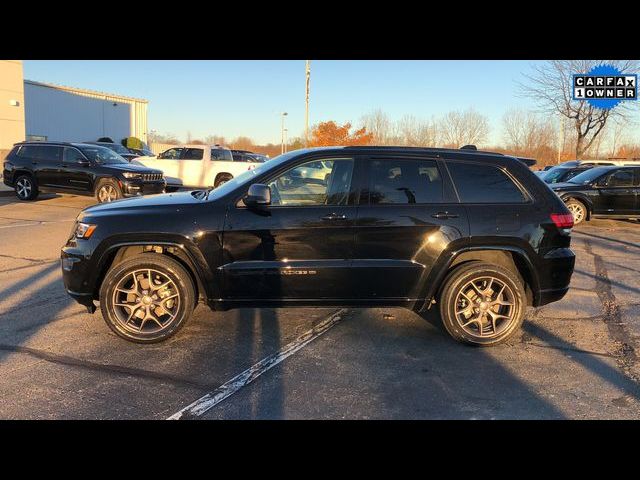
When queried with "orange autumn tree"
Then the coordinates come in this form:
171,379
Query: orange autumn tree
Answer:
330,133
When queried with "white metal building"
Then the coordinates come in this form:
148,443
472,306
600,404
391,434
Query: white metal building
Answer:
58,113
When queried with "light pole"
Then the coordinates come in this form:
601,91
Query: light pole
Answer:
306,105
286,130
282,115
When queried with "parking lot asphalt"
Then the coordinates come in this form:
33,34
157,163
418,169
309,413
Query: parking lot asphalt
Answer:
577,358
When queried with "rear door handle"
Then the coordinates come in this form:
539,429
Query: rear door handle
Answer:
444,215
334,216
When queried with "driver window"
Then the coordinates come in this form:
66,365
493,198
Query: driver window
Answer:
621,178
71,155
325,182
171,154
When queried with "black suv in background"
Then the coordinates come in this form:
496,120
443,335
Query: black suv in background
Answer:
608,192
78,168
477,233
121,150
559,174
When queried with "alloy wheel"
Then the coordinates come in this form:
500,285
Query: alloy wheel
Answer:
24,188
485,307
577,211
145,301
107,193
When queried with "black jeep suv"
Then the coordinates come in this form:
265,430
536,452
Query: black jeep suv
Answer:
79,168
609,192
477,233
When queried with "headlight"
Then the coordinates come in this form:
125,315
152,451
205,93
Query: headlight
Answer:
84,230
132,175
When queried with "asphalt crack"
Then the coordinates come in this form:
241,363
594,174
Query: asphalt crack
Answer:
626,356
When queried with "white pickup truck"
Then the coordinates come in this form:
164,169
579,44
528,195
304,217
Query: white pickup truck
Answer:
197,165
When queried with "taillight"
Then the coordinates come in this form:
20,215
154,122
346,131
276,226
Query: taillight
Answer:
562,220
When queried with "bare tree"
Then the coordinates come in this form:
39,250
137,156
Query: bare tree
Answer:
416,133
168,138
215,140
551,86
378,124
460,128
618,131
526,133
242,143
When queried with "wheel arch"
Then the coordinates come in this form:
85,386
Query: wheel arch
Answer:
119,252
584,199
510,257
222,174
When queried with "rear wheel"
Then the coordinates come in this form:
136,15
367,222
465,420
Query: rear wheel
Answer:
26,188
482,304
578,210
147,298
108,191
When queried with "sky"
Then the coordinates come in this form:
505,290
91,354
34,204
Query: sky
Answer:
245,98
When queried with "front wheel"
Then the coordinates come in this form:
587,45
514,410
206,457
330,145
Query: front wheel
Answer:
482,304
108,191
147,298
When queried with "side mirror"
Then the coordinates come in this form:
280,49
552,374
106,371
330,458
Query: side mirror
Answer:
258,195
84,163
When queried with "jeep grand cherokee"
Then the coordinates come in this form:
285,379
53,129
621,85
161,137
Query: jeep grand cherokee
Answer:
476,233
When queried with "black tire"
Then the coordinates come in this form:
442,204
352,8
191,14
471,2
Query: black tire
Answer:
458,280
107,191
222,178
135,329
578,210
26,188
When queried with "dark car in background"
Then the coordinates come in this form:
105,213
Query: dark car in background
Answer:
77,168
606,191
247,156
561,173
475,233
121,150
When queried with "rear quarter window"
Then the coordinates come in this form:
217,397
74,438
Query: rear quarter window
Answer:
481,183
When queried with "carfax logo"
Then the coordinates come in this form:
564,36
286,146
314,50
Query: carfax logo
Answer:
605,86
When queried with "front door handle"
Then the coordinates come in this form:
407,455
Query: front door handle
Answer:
444,215
334,216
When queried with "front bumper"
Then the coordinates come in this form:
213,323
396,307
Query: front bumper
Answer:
132,188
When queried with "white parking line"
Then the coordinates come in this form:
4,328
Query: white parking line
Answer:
227,389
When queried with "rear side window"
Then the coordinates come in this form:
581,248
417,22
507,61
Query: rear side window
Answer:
192,154
620,178
221,155
478,183
41,152
404,182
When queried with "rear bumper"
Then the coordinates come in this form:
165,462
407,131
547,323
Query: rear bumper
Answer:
550,296
555,275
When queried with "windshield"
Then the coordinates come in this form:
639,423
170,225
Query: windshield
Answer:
554,174
589,176
102,155
117,148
